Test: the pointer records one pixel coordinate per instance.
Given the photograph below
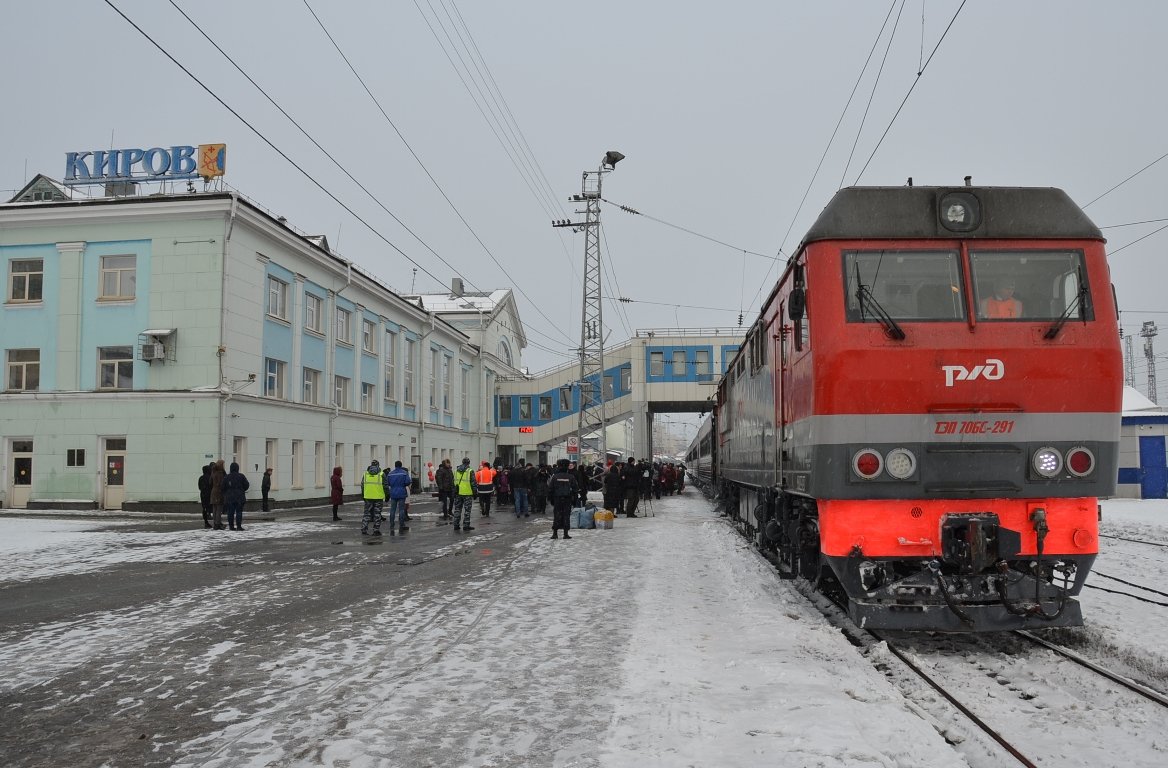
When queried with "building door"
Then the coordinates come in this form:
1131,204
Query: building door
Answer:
115,473
20,487
1153,469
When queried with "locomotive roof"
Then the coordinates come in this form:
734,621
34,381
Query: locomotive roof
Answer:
856,213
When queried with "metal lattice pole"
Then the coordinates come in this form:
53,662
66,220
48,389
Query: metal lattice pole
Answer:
592,412
1149,332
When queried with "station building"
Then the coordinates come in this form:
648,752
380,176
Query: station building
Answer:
145,336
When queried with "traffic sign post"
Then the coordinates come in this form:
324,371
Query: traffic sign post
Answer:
573,444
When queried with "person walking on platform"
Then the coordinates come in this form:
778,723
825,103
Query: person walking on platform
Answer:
373,494
464,490
631,482
235,486
444,478
564,489
205,494
336,492
397,484
485,487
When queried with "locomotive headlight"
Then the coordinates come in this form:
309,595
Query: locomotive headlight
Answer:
900,463
1080,461
867,463
1047,462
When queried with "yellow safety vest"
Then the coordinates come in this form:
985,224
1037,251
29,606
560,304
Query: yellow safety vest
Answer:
373,489
464,481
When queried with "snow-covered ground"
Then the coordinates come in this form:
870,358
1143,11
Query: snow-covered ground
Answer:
664,642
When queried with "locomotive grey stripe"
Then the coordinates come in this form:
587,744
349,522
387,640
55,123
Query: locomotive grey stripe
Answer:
976,428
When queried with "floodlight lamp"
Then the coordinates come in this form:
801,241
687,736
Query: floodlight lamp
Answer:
612,157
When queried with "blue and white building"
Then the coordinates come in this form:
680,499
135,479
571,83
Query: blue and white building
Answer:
145,336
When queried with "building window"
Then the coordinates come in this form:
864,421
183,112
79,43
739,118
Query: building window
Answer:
271,452
524,408
545,408
318,473
311,392
297,464
239,451
26,280
75,457
504,408
434,373
313,319
464,393
656,363
368,395
504,351
390,365
24,370
679,362
566,398
118,276
277,298
408,383
115,367
446,384
369,336
344,326
702,362
274,378
341,392
626,379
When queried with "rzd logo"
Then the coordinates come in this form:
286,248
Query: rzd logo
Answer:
991,371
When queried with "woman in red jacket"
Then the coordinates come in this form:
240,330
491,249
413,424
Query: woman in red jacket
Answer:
338,492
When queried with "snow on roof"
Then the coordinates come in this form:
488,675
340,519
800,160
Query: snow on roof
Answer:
475,301
1135,402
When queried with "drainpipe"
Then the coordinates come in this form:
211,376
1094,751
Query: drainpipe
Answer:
222,350
330,335
424,412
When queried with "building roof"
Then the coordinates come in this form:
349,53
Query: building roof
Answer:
471,301
1134,402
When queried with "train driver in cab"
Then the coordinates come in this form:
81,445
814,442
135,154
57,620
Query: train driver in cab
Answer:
1001,304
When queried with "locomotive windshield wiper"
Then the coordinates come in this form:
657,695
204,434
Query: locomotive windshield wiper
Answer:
1079,301
865,298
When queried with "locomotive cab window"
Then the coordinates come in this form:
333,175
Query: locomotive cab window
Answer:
1030,285
906,286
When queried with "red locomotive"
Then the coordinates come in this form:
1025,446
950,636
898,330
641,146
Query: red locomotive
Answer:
928,406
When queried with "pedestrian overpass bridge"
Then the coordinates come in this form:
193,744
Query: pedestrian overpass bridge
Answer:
671,370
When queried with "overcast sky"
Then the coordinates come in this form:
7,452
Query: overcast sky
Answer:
723,116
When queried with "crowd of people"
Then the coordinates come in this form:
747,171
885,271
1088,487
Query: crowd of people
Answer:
525,487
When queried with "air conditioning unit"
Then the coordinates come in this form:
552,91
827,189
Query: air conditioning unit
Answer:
153,351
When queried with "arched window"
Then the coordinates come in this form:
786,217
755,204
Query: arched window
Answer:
505,352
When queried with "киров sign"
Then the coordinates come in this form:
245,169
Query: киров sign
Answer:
157,164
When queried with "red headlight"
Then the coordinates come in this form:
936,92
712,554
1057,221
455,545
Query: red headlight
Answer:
867,463
1080,461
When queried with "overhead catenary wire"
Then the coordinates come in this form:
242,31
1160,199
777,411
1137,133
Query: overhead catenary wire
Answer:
262,137
430,176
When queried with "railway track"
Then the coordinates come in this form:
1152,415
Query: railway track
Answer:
986,653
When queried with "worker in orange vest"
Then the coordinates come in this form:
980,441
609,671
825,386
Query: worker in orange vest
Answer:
485,487
1002,304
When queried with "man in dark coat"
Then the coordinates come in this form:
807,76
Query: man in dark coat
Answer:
444,478
563,489
205,495
539,487
265,486
235,486
631,482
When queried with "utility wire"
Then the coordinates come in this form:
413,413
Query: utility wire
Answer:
827,148
635,212
269,142
1133,242
1125,181
434,181
872,94
910,90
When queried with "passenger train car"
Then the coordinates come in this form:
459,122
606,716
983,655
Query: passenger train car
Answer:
927,408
